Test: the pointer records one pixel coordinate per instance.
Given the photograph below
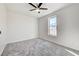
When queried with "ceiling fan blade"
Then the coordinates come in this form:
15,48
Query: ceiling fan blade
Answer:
39,5
32,5
32,9
43,8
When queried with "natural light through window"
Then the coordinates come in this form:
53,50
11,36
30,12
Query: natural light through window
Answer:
52,26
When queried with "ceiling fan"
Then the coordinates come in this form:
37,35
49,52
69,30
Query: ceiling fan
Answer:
37,7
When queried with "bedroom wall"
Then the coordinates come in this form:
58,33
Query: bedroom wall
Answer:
16,27
3,27
21,27
68,27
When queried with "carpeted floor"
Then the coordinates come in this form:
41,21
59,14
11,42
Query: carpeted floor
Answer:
34,47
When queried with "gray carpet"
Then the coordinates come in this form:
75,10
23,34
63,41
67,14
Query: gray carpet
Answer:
34,47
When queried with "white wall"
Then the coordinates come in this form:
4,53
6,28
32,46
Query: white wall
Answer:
16,27
21,27
3,27
68,27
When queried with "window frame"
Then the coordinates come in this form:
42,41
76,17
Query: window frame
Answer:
49,25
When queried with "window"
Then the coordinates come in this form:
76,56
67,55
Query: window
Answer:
52,26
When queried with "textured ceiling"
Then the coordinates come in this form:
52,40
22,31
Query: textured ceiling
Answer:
25,7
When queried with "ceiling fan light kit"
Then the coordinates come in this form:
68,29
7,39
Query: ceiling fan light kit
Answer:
37,8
